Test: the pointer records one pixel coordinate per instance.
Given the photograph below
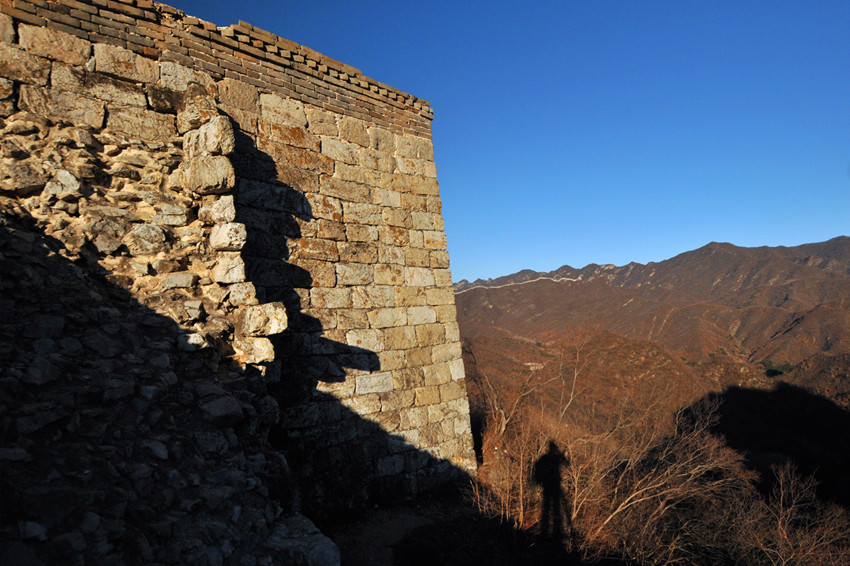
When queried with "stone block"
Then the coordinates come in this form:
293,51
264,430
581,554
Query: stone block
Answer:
321,122
229,268
196,109
242,294
359,252
457,369
139,123
7,88
377,160
283,110
354,130
179,280
145,239
373,383
120,62
219,211
207,174
253,350
397,400
440,296
7,29
304,248
452,390
54,44
361,233
446,352
63,105
216,137
391,465
354,273
434,239
228,237
421,315
266,319
411,296
340,150
387,317
90,85
371,340
286,134
177,77
330,230
399,338
430,334
363,404
418,277
18,65
275,197
239,94
427,396
392,360
422,356
290,161
223,411
389,274
331,298
322,206
391,255
437,374
381,139
414,418
361,213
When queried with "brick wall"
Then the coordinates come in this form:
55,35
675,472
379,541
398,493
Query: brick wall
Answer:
323,211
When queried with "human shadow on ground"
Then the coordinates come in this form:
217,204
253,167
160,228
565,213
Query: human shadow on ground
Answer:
789,423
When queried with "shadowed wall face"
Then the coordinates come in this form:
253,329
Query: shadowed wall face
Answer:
279,207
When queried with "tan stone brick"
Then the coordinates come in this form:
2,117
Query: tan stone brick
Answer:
434,204
430,334
434,240
174,76
322,273
326,317
239,94
394,236
423,185
289,158
373,383
392,360
330,230
440,261
361,213
396,400
286,111
363,404
452,390
396,217
421,315
373,296
457,369
414,418
391,254
417,258
419,357
321,122
399,338
411,296
332,298
7,29
381,139
437,374
344,190
323,206
356,174
354,130
427,396
54,44
378,161
440,296
358,252
386,197
418,277
446,352
352,318
417,203
354,273
446,313
361,233
65,105
452,332
339,389
387,421
286,134
304,248
387,317
442,277
245,120
389,274
372,340
120,62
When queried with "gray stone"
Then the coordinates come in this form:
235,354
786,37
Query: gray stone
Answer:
63,186
253,350
91,85
114,60
229,237
206,175
340,150
177,77
145,239
7,29
283,110
156,449
40,371
269,196
266,319
197,109
54,44
373,383
64,105
229,268
239,94
243,294
24,179
191,342
18,65
179,280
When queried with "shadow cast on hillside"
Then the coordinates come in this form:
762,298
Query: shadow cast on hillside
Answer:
789,423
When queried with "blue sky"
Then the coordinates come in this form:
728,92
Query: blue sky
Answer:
607,132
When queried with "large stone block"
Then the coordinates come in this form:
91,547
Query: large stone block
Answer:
63,105
239,94
321,122
283,110
228,237
18,65
91,85
54,44
145,239
371,340
216,137
229,268
354,274
418,277
387,317
286,134
266,319
340,150
142,124
253,350
207,174
373,383
177,77
7,29
120,62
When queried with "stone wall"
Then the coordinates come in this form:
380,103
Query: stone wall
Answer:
271,219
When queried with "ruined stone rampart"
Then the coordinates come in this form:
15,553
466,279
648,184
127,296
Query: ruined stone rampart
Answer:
226,293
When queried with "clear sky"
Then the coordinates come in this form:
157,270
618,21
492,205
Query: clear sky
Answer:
596,131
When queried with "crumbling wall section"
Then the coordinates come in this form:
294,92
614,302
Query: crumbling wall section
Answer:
278,206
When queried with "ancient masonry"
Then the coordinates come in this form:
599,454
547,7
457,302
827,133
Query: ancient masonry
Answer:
226,294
